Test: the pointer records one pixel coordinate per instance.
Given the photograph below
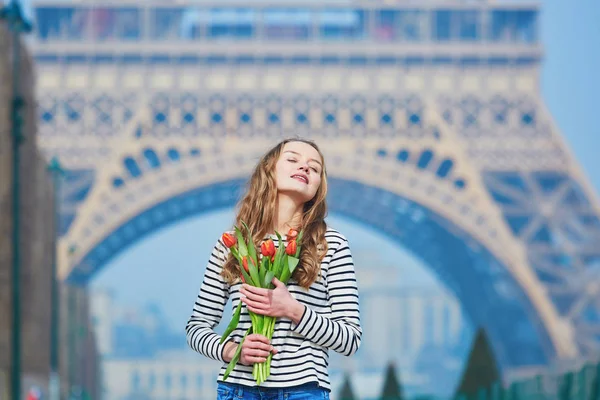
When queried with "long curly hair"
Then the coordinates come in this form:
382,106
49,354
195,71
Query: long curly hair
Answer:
258,208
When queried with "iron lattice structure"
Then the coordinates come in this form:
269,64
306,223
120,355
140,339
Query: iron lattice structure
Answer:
430,116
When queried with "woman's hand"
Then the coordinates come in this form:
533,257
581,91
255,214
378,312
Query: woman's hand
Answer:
255,349
277,302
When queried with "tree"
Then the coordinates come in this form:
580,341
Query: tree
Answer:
595,392
481,370
392,389
346,392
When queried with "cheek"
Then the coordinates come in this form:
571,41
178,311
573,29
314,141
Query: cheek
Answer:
279,172
282,169
279,179
315,184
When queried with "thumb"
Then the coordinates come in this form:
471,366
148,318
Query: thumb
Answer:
277,283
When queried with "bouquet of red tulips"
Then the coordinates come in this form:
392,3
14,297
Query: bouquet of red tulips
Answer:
259,269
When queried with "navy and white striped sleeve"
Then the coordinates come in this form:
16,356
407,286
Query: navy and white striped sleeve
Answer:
342,332
209,306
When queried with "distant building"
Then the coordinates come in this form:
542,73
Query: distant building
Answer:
102,319
175,375
398,322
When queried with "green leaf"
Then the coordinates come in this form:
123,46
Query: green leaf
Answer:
292,262
254,273
236,356
257,322
279,263
241,242
235,253
278,256
264,263
247,277
251,247
268,278
233,323
263,268
286,274
298,242
245,227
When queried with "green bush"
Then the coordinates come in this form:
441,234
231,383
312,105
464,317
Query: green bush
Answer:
392,389
481,369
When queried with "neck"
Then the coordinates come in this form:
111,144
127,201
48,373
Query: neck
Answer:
288,214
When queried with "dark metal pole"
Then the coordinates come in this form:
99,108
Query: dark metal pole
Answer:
15,20
17,25
16,209
54,384
72,338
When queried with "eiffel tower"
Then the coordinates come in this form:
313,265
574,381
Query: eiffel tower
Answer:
429,114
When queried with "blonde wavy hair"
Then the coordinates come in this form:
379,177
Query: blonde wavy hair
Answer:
258,207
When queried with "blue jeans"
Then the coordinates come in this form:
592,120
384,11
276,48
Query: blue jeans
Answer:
309,391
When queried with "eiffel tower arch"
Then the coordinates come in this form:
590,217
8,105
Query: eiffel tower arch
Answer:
444,144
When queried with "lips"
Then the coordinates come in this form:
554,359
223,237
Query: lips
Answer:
301,178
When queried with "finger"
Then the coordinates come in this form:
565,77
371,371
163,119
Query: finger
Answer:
249,359
258,352
260,311
256,304
255,353
253,305
255,360
258,340
255,290
277,282
256,336
254,296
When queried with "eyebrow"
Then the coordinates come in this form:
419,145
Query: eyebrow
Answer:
296,153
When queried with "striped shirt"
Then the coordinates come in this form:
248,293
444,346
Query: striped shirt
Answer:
331,320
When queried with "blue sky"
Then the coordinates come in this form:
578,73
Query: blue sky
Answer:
570,81
167,266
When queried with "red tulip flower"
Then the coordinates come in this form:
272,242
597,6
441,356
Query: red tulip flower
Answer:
267,248
291,248
229,240
245,263
292,233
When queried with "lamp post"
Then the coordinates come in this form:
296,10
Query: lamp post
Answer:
54,385
72,338
17,25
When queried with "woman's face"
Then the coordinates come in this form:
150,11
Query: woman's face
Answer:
298,171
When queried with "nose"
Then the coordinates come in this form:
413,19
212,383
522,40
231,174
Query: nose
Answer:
304,166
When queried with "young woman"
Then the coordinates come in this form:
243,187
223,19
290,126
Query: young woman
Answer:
319,309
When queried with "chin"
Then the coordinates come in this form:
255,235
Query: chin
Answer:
300,196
